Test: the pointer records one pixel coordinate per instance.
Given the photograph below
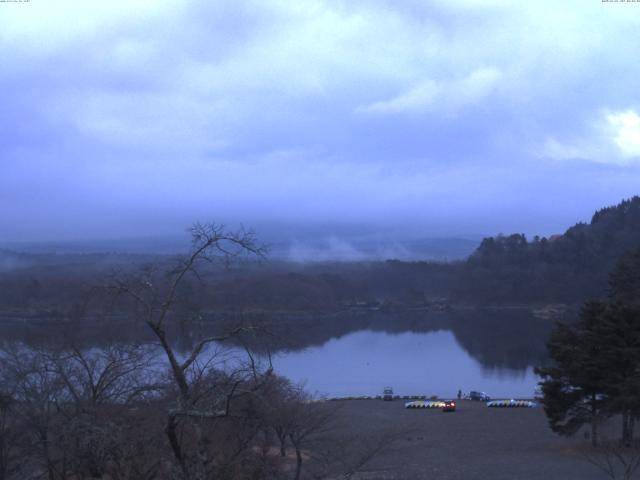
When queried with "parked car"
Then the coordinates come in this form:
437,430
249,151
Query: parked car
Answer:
537,394
479,396
387,394
449,406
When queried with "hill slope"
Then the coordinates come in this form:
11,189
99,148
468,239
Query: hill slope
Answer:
570,267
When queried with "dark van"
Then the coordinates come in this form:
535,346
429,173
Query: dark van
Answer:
479,396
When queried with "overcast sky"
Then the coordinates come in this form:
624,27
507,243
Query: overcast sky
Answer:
126,118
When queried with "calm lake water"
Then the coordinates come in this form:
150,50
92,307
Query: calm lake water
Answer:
431,363
485,349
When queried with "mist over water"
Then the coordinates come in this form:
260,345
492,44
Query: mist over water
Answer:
294,245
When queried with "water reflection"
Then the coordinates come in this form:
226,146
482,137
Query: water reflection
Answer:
356,353
434,363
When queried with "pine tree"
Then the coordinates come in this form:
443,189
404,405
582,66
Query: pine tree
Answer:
624,281
596,372
574,389
620,354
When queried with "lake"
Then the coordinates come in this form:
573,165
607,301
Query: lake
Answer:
429,353
413,363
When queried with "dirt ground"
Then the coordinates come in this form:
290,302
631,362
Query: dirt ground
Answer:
475,442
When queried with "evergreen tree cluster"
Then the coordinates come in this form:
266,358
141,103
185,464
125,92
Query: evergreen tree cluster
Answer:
596,374
562,268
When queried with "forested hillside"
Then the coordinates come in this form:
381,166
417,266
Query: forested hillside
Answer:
563,268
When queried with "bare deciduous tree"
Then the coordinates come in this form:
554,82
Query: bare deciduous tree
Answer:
73,407
126,411
614,458
156,299
10,464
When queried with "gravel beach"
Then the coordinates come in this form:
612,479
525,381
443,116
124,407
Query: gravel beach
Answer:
475,442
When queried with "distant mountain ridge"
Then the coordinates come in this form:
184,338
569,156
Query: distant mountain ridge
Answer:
299,249
503,270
